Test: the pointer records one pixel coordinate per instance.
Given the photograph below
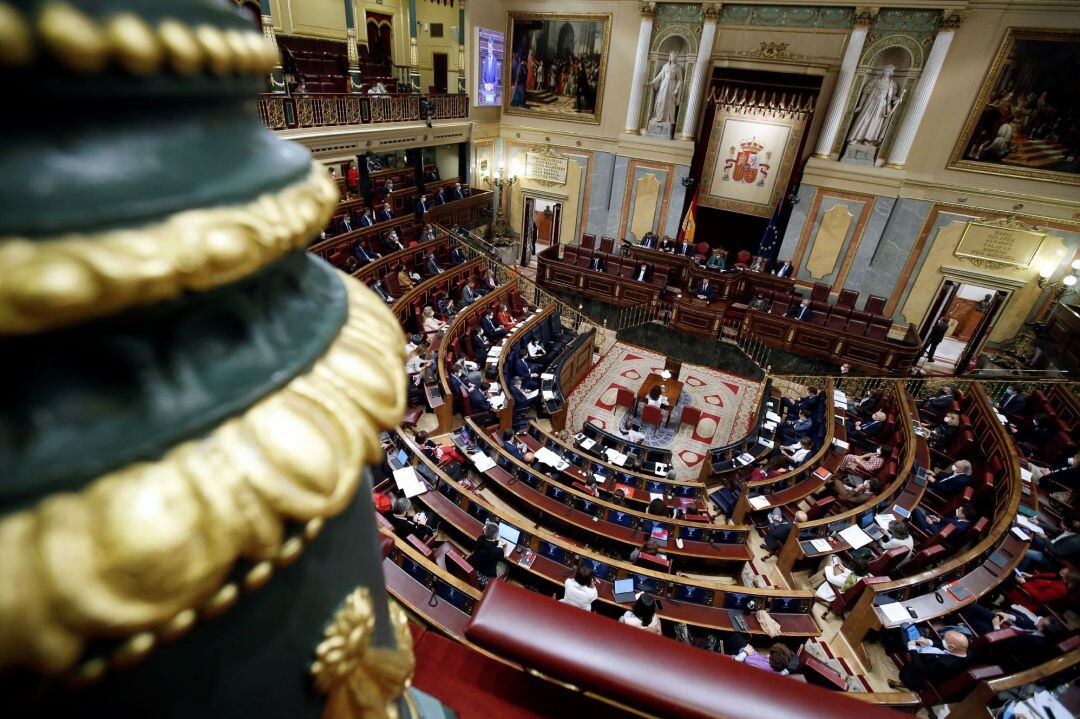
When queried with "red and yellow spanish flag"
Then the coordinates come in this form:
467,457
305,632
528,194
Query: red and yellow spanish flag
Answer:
689,223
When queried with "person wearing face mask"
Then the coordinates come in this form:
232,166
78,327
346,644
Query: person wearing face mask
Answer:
962,519
941,435
1012,403
642,274
865,464
953,483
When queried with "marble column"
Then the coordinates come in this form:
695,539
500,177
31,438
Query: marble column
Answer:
641,61
352,53
905,136
461,48
277,75
414,49
864,18
694,97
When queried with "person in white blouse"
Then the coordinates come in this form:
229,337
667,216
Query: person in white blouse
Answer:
643,614
536,348
578,590
656,398
899,535
838,578
798,452
432,325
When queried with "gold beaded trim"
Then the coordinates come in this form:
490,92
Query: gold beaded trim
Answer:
127,42
143,552
61,281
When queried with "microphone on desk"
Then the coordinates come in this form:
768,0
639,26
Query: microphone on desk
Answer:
433,601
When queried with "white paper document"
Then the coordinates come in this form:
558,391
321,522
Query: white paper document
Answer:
884,520
773,417
615,457
745,458
855,536
766,443
655,495
841,444
895,613
548,457
587,443
548,395
821,545
547,376
409,482
759,502
481,461
769,426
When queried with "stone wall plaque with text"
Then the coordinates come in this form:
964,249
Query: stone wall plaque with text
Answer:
995,243
545,167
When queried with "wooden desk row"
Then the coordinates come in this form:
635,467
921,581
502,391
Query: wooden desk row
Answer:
979,569
408,257
905,491
620,528
567,370
541,555
401,201
511,346
721,460
458,212
409,306
606,440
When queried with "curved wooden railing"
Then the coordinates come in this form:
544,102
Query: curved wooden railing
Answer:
511,343
383,265
699,602
709,470
333,109
977,704
927,593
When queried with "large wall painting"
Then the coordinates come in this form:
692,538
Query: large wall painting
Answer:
557,65
1026,118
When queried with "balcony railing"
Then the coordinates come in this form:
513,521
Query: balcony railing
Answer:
285,112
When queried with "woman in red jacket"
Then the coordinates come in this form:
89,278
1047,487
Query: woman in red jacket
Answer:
1044,587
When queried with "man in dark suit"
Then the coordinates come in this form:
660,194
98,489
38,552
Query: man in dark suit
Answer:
931,524
392,243
456,193
479,404
440,196
931,663
642,273
685,249
432,265
704,291
954,483
345,225
421,206
520,369
596,263
367,219
362,255
480,345
491,327
649,240
941,401
406,523
377,286
667,245
385,213
456,257
431,176
778,532
866,432
1012,404
785,269
510,444
801,311
937,333
468,293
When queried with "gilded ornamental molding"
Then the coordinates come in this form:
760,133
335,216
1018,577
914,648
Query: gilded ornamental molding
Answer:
61,281
138,555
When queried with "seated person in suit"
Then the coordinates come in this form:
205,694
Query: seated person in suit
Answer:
361,253
470,369
456,255
377,287
486,556
686,249
855,493
779,530
759,303
667,244
468,293
716,260
649,240
432,265
367,219
865,465
345,225
447,308
944,432
522,404
840,577
932,524
478,401
421,206
1032,435
431,175
1053,545
440,196
385,213
512,446
392,243
791,430
1011,403
641,274
481,345
704,291
953,483
388,187
930,663
596,263
865,406
456,193
428,233
864,433
520,370
492,328
941,401
407,522
801,311
784,269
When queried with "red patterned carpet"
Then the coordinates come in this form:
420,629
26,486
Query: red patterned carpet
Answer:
726,402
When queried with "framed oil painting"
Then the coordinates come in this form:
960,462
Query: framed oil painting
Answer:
556,65
1026,118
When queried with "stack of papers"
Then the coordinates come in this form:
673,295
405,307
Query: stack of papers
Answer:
773,417
745,458
481,461
821,545
1029,525
529,394
547,376
498,401
615,457
409,482
759,502
587,443
841,444
548,457
769,426
884,520
895,613
765,442
855,537
548,395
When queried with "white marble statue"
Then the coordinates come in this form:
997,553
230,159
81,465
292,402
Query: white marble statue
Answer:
877,104
668,83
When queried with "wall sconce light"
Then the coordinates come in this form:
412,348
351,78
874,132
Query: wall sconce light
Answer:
1065,284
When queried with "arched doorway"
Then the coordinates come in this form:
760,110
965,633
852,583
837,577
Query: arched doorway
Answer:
380,36
565,47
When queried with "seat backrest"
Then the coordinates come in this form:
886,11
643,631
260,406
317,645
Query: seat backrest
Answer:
888,561
588,241
607,244
820,292
820,507
847,299
624,397
940,537
744,256
650,415
874,305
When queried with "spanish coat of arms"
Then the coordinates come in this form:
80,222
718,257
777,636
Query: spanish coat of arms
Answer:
747,165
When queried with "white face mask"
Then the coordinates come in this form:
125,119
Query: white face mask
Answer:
954,469
1072,461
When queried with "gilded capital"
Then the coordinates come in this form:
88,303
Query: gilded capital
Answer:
864,16
648,10
712,12
952,20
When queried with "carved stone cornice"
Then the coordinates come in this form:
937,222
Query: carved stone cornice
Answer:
865,16
953,20
711,13
648,10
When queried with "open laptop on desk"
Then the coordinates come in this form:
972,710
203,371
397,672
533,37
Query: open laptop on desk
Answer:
624,590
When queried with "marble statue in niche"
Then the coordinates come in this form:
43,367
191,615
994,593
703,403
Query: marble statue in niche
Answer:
878,102
668,83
